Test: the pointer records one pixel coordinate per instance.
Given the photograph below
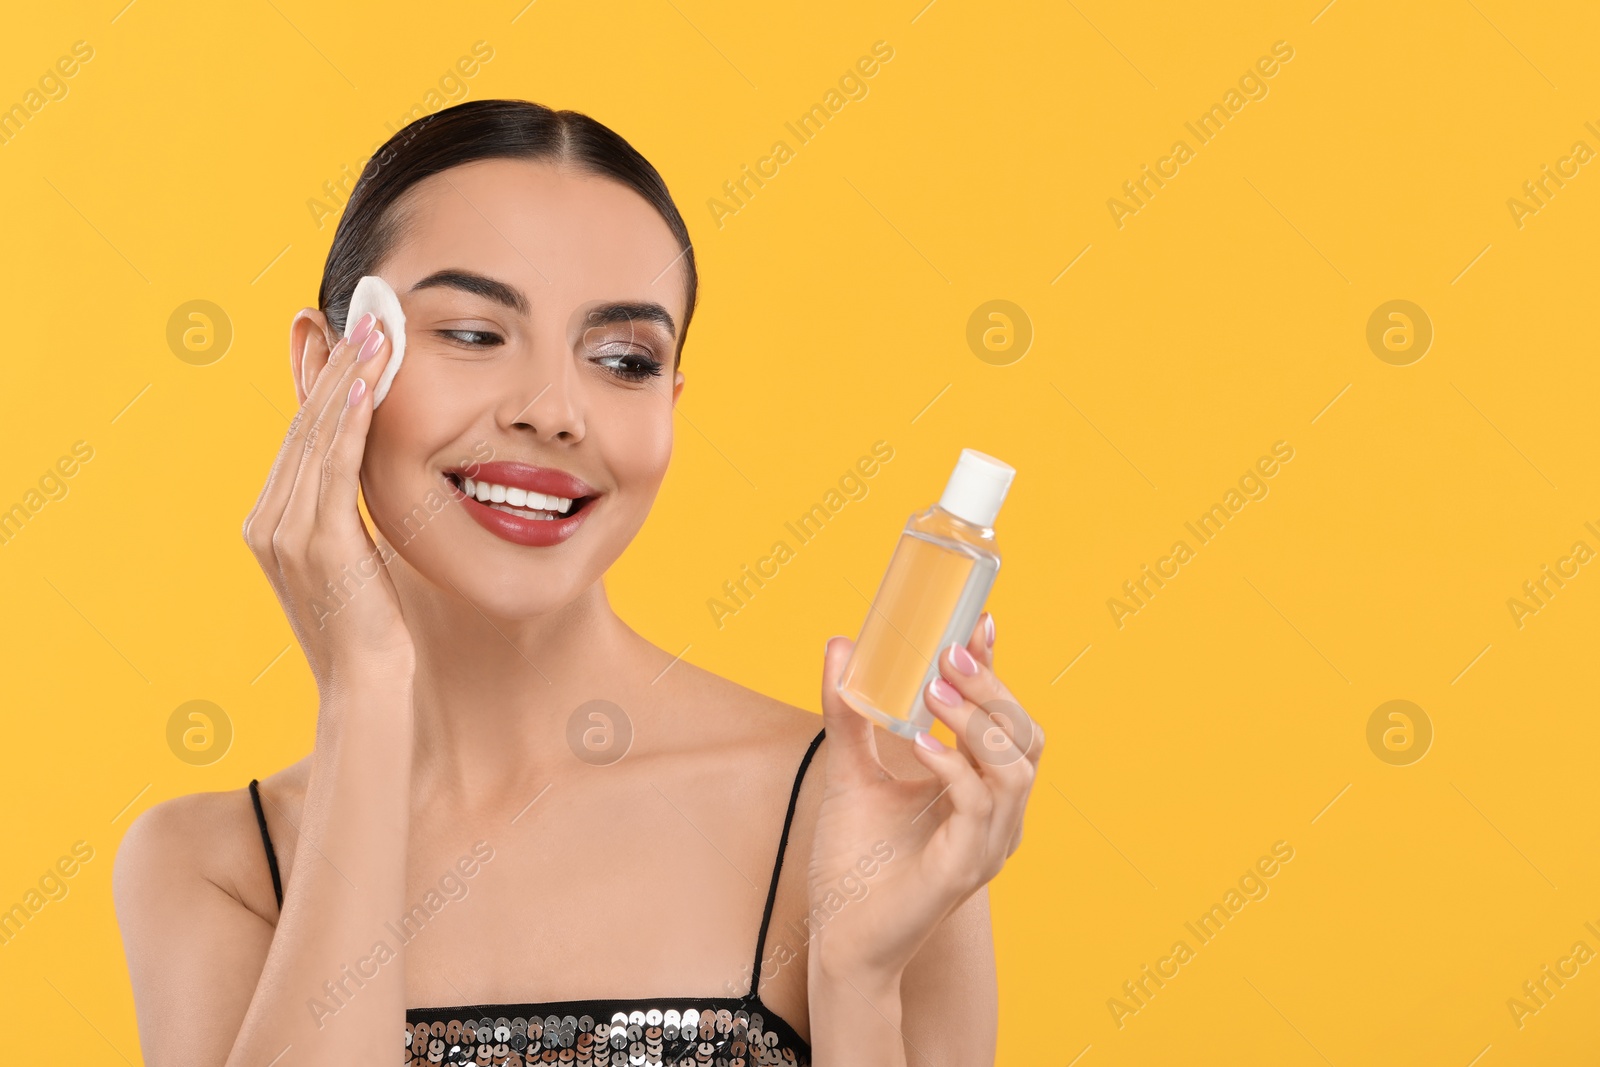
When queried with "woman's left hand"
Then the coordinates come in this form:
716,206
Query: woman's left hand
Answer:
918,846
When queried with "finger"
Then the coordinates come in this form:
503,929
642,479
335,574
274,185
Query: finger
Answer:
992,751
978,684
1002,740
972,802
337,508
264,518
981,644
852,748
321,427
1016,839
341,483
967,721
300,513
342,348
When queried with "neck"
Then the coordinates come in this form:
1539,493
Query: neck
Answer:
493,696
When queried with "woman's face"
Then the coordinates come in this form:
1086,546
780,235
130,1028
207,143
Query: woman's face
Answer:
538,301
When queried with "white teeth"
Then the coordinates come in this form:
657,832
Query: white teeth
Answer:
517,501
524,512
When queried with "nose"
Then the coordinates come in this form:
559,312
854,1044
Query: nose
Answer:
545,396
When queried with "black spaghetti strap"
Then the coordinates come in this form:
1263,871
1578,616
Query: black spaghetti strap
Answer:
777,866
266,839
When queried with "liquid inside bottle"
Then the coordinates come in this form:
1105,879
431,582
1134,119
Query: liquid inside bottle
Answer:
931,595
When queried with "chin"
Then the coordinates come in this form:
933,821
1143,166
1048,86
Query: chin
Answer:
513,595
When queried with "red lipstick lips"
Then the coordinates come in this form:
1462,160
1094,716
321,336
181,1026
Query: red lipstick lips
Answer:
518,529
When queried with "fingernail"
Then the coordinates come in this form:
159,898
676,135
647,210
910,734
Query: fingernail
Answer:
962,660
945,693
929,742
370,347
358,389
988,629
363,326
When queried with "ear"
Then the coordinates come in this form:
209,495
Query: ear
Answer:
311,342
677,386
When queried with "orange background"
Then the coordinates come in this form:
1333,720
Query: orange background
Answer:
1167,354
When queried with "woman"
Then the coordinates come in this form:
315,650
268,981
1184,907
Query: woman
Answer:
523,829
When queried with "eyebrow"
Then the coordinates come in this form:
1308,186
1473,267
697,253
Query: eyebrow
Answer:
511,297
628,311
478,285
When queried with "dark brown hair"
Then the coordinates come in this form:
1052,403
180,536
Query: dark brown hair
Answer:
482,129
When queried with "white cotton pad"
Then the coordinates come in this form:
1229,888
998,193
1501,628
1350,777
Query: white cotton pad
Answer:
374,294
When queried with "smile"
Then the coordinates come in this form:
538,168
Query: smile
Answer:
514,501
528,506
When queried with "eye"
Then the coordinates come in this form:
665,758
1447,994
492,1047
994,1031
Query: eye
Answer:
632,365
473,338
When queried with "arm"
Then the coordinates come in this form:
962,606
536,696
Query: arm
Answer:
941,1009
214,982
907,975
951,992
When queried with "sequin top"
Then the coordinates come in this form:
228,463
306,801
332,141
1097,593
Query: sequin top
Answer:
655,1031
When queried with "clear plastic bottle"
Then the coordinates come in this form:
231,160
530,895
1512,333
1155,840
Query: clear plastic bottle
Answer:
930,597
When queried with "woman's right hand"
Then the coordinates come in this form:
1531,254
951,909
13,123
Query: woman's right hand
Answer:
309,537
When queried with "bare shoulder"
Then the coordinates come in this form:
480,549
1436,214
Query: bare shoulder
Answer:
765,739
196,909
743,715
780,728
204,842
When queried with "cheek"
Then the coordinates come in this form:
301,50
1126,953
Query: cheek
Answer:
637,442
633,437
406,432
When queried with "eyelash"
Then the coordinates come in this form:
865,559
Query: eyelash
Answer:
645,367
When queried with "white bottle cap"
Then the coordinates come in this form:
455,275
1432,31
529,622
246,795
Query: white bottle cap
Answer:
977,487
